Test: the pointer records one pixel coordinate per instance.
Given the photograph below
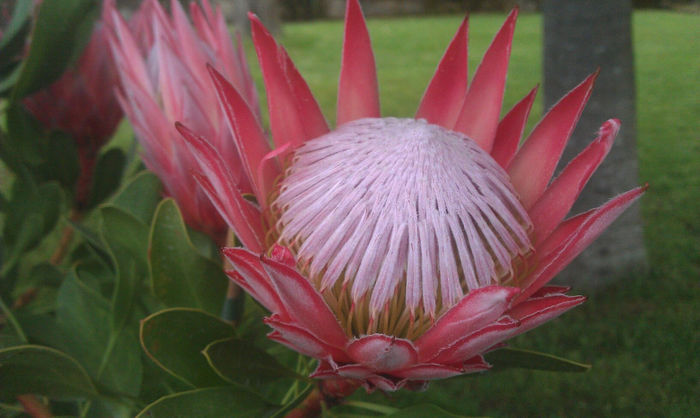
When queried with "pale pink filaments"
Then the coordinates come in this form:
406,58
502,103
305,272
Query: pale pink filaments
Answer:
399,218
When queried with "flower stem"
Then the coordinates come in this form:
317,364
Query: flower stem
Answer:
234,304
327,394
66,238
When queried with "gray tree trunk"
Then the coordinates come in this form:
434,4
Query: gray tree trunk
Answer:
580,36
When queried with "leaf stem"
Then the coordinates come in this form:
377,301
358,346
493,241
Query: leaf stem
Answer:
11,318
327,394
66,238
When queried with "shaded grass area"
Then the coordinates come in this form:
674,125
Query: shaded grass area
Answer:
641,334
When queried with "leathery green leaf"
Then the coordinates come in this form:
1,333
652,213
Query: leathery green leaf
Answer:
140,196
174,339
61,29
182,277
126,238
241,362
210,402
43,371
505,358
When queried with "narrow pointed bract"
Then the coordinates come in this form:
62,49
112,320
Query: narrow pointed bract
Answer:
397,251
294,114
510,130
444,96
560,196
482,105
358,94
535,162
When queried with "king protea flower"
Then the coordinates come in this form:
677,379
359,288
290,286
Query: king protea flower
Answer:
82,103
397,251
164,78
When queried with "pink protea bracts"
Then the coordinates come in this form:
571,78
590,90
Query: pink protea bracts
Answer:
161,63
82,103
397,251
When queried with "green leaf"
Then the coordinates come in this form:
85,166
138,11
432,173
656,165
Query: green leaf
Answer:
107,177
92,240
112,359
181,275
423,410
62,162
32,213
204,244
42,371
241,362
126,238
210,402
140,196
174,339
10,80
12,42
46,274
506,358
60,31
51,156
18,24
10,340
26,140
28,234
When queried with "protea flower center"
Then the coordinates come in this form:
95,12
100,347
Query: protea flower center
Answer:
395,220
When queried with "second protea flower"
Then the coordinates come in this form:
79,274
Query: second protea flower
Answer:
397,251
161,61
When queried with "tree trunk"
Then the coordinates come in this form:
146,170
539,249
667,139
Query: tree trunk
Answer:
580,36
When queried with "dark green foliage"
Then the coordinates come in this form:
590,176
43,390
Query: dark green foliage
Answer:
61,29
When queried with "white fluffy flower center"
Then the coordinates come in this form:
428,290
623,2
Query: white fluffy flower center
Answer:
399,218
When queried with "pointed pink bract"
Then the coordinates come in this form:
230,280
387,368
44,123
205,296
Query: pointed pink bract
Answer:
241,215
535,162
250,140
572,237
444,96
294,114
304,303
477,309
382,352
478,118
557,200
358,93
510,130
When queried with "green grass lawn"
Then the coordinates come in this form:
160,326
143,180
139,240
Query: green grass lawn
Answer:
641,334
